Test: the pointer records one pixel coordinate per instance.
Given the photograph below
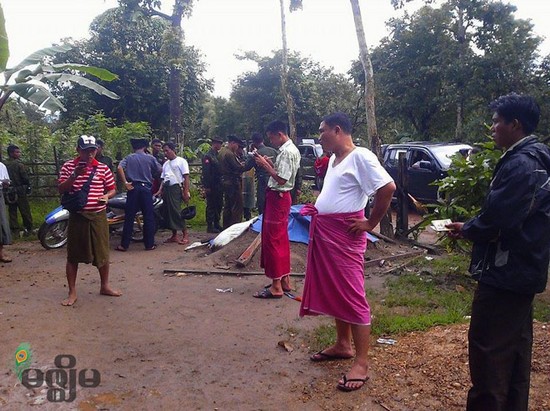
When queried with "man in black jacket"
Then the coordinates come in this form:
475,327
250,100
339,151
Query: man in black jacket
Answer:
510,254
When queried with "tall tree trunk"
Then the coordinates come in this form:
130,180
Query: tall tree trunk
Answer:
461,37
174,82
364,56
284,78
386,227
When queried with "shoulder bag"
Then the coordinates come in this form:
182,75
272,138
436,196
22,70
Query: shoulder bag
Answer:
76,201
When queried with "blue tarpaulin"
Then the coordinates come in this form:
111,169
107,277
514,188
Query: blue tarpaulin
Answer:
298,226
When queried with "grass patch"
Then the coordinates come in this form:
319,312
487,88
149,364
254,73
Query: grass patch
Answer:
426,294
322,337
423,295
541,309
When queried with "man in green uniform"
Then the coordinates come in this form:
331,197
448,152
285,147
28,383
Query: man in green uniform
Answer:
262,176
101,157
19,177
232,169
211,183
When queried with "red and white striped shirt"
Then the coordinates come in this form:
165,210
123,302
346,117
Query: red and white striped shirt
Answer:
102,182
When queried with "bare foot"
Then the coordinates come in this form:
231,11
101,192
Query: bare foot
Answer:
285,283
110,292
69,300
171,240
183,241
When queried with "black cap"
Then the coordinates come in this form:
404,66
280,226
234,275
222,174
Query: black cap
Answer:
138,143
216,140
237,140
85,142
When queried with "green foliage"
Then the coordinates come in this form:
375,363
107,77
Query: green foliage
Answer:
464,189
199,222
142,50
116,138
467,183
256,98
435,70
35,75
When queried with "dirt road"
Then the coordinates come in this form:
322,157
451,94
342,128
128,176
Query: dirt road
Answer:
178,342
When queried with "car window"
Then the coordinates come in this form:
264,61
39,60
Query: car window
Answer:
319,150
444,153
305,151
393,156
417,156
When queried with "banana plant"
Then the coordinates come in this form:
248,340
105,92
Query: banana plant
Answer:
29,79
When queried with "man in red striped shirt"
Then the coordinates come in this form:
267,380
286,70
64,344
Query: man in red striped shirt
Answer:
88,231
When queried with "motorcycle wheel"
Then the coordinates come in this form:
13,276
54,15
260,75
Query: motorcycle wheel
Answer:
53,235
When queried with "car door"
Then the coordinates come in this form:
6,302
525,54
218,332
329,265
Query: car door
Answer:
422,170
391,160
307,160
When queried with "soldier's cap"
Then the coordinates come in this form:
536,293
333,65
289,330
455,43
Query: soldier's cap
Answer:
237,140
85,142
257,138
216,140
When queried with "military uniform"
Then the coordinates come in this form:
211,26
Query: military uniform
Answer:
19,177
108,161
262,176
211,182
231,169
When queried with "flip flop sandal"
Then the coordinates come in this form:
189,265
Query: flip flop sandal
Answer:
151,248
120,248
266,294
286,290
322,356
345,388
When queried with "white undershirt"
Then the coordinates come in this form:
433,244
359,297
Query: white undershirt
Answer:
170,167
349,184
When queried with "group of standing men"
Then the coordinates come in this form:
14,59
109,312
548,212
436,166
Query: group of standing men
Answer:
510,255
511,237
222,180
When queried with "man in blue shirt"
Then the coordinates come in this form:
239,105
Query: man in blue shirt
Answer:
137,171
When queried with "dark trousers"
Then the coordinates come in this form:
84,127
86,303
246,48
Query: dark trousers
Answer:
214,206
24,207
261,186
233,202
500,343
139,199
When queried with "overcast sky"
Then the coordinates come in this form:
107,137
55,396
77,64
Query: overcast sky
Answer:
323,30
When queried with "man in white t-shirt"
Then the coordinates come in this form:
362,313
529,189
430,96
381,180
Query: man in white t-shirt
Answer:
174,191
334,283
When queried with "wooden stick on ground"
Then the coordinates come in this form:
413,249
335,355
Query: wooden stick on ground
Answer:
247,254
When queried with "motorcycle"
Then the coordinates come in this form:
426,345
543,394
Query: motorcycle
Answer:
53,231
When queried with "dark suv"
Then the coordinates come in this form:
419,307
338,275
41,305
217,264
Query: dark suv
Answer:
425,163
